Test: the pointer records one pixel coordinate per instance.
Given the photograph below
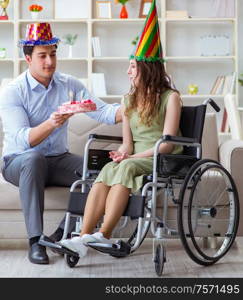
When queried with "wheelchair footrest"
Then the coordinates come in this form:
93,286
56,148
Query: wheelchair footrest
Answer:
118,249
45,241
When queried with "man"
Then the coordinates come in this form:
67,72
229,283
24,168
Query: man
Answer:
35,152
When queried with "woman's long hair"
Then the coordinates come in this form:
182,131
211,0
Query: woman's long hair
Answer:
153,81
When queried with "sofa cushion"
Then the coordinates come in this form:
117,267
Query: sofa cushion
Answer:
55,197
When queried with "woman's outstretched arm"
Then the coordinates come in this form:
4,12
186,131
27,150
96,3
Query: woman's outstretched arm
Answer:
127,144
126,148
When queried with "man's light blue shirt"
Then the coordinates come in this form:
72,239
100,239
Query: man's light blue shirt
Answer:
25,103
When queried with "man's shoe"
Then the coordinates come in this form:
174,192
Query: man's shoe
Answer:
37,254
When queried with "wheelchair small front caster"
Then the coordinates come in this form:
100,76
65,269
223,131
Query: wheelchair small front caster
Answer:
159,259
71,260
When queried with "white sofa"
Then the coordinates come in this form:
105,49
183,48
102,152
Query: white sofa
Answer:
12,224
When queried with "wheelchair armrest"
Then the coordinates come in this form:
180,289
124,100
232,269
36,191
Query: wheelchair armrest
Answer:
109,138
178,140
97,138
181,140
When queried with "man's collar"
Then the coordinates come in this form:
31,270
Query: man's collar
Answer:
32,81
55,78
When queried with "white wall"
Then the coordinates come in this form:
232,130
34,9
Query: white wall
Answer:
126,31
240,49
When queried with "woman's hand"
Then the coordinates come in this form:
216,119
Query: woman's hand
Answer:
117,156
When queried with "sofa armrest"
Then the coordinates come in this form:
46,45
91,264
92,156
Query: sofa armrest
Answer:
231,157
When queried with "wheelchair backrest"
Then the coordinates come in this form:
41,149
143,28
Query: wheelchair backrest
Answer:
191,125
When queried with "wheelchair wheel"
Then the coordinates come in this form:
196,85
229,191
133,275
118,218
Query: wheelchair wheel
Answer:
159,259
209,209
71,260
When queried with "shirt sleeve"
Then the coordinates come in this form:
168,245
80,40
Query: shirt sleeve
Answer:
105,113
14,117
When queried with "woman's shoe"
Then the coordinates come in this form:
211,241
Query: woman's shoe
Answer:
75,244
96,237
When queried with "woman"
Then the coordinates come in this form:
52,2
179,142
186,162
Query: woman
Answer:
152,108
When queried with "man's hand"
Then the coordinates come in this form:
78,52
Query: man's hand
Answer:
117,156
39,133
118,115
57,120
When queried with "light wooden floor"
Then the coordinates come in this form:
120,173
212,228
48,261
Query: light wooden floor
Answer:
15,263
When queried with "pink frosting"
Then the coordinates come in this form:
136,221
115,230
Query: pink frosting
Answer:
77,106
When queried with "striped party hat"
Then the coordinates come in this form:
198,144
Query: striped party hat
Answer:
148,47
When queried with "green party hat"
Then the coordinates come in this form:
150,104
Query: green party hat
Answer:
149,46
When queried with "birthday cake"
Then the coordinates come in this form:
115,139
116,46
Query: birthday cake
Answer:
76,106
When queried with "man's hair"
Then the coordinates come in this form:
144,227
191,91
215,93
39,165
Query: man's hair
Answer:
28,50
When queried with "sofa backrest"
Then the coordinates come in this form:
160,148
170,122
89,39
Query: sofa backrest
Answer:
80,126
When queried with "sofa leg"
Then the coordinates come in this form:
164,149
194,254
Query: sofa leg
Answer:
209,242
205,242
213,241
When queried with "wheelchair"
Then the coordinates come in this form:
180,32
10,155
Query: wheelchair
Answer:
202,190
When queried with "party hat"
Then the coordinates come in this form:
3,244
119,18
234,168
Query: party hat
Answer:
39,34
148,47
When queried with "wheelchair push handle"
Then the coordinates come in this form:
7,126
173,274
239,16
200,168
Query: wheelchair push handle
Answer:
212,103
